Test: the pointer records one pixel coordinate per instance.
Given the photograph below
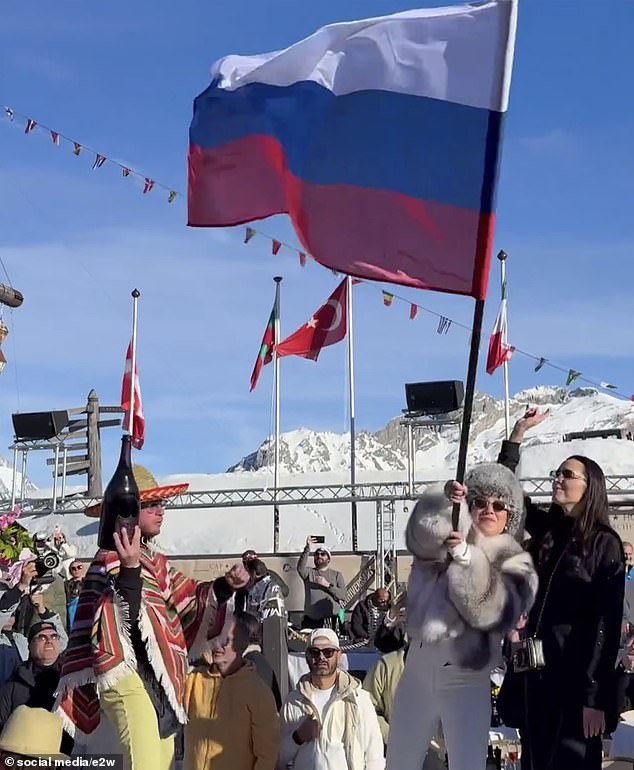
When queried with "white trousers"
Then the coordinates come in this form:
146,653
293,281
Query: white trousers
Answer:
430,691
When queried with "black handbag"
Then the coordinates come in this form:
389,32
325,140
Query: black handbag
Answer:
525,658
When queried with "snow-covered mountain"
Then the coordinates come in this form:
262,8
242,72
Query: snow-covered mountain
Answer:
307,451
6,480
310,458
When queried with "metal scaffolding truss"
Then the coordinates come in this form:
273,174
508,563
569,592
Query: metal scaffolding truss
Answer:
619,487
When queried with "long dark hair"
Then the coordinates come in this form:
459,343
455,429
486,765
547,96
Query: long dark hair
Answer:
594,511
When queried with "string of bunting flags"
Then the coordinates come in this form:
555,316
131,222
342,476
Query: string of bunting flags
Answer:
444,323
149,183
57,138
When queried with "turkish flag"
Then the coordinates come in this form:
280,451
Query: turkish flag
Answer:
326,327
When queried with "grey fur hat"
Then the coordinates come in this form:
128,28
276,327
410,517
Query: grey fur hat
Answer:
495,480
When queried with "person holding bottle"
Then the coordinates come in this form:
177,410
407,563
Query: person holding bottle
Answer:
565,704
136,621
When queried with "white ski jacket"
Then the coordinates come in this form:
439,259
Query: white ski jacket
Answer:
349,736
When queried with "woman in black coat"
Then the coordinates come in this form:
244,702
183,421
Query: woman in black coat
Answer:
562,708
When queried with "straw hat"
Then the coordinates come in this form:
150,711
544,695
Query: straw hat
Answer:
32,732
149,490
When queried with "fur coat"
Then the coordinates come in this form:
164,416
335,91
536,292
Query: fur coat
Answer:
472,599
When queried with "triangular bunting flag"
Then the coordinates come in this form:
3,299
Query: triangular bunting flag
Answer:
607,386
413,311
540,363
99,161
275,247
125,171
171,197
30,125
572,376
302,259
387,298
148,185
443,325
248,234
8,112
76,148
55,138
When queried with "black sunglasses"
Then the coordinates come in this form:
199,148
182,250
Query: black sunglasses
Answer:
315,652
482,503
566,473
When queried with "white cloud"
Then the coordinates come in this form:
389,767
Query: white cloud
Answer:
554,142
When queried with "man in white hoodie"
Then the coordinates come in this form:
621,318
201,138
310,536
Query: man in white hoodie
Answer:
328,721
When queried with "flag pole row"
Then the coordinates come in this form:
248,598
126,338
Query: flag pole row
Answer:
148,184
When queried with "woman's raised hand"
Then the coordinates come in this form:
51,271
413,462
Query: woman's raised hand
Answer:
531,418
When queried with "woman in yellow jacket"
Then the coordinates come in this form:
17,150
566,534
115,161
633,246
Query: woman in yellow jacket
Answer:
232,719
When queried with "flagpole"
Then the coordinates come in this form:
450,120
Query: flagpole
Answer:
135,302
503,256
353,470
476,334
276,386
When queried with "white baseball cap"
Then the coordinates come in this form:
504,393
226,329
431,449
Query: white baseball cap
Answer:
324,633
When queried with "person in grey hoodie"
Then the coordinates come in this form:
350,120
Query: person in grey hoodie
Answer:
325,588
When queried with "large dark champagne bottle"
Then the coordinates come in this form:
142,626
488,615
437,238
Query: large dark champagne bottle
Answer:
121,499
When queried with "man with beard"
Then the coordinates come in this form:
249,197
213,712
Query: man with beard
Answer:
369,614
325,589
328,721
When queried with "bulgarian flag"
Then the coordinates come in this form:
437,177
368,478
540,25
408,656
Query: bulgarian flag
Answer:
265,356
499,350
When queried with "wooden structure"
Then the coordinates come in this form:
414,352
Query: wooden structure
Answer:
76,448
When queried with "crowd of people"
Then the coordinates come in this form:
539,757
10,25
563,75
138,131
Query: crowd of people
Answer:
538,596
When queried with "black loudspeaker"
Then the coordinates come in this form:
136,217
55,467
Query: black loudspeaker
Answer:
38,426
434,397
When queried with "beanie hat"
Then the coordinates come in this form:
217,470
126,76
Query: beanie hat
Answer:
497,481
323,549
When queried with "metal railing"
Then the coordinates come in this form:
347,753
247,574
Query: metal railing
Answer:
619,487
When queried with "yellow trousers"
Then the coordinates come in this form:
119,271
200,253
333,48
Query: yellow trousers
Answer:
130,710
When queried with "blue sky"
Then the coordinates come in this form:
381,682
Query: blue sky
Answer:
121,78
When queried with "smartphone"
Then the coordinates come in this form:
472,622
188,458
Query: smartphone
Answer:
319,538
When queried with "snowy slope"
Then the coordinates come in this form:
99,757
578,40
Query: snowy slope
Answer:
6,481
310,458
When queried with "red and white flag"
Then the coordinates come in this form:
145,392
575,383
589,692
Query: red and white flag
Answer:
326,327
138,424
499,350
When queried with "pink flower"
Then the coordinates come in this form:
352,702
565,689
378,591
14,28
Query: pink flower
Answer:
7,519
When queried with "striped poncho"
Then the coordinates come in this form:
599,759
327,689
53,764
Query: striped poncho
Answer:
177,615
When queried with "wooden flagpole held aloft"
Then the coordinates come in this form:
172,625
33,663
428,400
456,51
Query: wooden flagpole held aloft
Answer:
476,334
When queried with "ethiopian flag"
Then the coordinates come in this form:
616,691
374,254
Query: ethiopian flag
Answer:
265,354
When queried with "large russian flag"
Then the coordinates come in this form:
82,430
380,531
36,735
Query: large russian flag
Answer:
380,138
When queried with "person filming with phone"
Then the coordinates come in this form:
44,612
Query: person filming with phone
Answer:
325,588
